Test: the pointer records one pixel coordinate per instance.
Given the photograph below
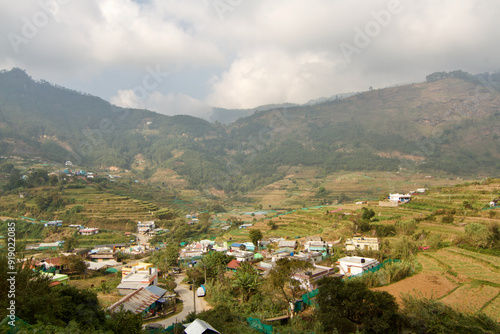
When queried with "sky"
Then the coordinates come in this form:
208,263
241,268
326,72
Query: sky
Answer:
187,56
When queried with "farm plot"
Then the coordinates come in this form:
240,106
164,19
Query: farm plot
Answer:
464,265
470,298
493,308
431,286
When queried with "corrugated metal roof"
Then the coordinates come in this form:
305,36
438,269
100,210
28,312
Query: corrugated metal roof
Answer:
132,285
156,290
199,327
136,302
287,243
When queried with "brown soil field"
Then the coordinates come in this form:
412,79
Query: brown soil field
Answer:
432,286
469,298
493,309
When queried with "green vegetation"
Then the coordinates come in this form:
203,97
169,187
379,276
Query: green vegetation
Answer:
69,306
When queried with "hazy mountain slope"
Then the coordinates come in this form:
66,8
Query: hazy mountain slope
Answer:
37,118
449,125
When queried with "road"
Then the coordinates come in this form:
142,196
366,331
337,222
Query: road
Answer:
187,298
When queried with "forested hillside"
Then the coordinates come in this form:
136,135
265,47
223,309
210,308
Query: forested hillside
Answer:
449,124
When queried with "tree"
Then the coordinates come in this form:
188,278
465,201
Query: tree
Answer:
124,322
255,236
70,243
281,277
75,264
344,306
215,264
367,214
246,280
272,225
172,254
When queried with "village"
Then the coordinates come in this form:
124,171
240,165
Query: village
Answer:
139,279
167,282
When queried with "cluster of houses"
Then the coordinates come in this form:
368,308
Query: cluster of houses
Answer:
312,250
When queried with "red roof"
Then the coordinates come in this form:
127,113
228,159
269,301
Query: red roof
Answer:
234,264
55,261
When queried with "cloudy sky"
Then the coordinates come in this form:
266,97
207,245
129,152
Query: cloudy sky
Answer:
184,56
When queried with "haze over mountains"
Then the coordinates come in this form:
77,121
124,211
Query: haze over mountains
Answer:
448,124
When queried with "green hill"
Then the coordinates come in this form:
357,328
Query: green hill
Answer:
449,124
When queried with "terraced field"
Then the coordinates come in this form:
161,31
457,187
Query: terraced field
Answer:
464,280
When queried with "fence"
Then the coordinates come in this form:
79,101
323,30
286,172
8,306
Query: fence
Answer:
307,298
258,325
374,269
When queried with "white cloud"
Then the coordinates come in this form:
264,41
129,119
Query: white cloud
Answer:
274,76
259,51
170,104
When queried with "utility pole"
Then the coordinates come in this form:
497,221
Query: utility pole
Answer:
194,297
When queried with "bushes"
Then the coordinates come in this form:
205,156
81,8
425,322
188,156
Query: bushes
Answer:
431,316
389,273
406,227
384,230
477,234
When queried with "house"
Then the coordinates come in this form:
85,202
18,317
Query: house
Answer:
309,278
354,265
362,243
114,247
53,223
200,327
57,279
316,246
53,264
242,256
245,225
287,244
102,254
89,231
50,245
145,227
399,198
138,278
100,265
233,265
265,266
249,246
76,226
237,246
127,269
137,302
312,257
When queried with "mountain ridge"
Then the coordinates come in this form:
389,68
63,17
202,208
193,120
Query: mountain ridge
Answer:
449,124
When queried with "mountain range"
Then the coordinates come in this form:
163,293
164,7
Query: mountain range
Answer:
449,124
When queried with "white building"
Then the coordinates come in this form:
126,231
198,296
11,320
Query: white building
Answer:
242,256
399,198
354,265
138,278
362,243
145,227
89,231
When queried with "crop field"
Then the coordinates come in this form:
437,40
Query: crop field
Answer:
464,280
301,184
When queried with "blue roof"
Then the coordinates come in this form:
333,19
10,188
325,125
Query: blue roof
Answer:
156,290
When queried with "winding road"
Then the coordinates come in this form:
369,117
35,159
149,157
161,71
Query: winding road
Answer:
188,304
